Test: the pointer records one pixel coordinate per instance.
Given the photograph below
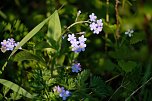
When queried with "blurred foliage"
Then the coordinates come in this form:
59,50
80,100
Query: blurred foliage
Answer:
117,66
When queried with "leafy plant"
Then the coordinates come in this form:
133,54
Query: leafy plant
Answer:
75,57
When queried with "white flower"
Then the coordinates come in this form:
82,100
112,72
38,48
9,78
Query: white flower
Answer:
129,32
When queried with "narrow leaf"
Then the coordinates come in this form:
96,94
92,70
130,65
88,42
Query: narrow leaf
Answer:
30,35
27,38
15,88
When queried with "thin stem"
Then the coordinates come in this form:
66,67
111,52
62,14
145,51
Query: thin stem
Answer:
138,89
107,20
79,22
112,78
117,20
77,16
118,89
61,7
107,11
115,92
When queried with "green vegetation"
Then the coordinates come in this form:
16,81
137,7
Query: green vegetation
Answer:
54,50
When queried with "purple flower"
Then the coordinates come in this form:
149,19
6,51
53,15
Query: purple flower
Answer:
4,43
92,17
99,22
93,26
97,30
82,46
76,68
64,94
77,46
8,44
11,40
82,39
58,89
71,37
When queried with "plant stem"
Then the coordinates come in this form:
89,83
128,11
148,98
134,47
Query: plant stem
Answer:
107,20
122,85
138,89
74,24
112,78
115,92
117,19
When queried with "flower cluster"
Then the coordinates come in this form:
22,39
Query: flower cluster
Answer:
129,32
96,25
8,44
77,45
62,92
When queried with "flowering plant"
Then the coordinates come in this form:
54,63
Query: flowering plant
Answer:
95,58
71,76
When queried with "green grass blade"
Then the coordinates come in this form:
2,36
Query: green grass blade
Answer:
15,88
30,35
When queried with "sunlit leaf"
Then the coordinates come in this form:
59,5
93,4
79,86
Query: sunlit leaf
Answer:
30,35
54,28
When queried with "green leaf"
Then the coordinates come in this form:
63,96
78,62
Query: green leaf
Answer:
27,38
86,99
99,87
109,28
15,96
15,88
137,37
82,77
30,35
5,90
60,60
25,55
127,66
121,53
71,84
42,45
54,28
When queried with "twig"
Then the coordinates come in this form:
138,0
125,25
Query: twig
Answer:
117,20
74,24
112,78
138,89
